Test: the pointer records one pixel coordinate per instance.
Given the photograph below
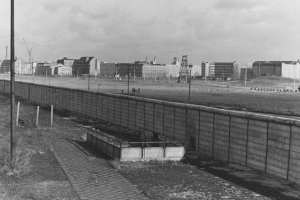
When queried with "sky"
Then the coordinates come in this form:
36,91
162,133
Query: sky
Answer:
130,30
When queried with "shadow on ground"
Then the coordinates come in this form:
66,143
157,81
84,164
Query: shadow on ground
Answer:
254,180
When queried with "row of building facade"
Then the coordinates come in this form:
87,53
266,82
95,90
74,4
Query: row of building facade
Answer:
94,67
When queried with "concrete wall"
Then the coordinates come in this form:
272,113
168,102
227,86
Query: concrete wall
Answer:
271,144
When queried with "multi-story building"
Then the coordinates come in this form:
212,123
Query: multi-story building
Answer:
123,69
268,68
87,66
107,69
205,69
222,70
153,71
66,61
44,69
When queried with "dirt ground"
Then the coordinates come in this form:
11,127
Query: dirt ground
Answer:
199,178
229,95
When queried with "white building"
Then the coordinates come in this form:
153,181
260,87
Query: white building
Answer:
152,71
196,70
290,70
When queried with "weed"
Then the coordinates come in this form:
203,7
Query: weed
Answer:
20,164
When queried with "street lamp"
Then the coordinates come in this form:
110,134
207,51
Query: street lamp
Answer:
189,81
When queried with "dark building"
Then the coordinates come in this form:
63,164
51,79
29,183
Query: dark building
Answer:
268,68
5,67
82,66
107,69
123,69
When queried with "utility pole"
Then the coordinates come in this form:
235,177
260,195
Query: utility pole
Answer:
246,76
12,79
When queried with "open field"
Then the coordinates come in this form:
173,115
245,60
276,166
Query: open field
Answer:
228,95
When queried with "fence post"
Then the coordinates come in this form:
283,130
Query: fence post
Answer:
229,136
115,112
213,136
51,119
267,147
128,113
144,115
135,113
185,127
37,116
289,155
163,121
174,123
247,141
199,131
153,118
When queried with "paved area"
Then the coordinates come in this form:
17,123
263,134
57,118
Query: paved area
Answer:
92,178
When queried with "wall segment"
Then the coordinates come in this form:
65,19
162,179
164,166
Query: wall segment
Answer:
268,143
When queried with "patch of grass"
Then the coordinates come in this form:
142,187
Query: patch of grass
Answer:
20,164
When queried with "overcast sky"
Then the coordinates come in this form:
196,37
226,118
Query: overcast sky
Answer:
129,30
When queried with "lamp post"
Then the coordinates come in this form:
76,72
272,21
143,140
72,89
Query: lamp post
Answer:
189,81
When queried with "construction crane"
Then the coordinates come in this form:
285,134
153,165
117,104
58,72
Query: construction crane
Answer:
28,50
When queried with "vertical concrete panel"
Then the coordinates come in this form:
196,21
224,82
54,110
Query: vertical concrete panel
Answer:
89,106
124,112
257,144
77,97
192,129
111,108
158,118
94,105
132,112
180,126
140,114
169,117
278,149
238,140
105,108
149,116
294,164
221,137
99,106
118,111
206,133
2,89
81,103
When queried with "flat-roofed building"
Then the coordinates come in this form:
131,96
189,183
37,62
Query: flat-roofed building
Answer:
268,68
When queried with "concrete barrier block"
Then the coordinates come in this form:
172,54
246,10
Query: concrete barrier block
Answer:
131,154
153,153
174,153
